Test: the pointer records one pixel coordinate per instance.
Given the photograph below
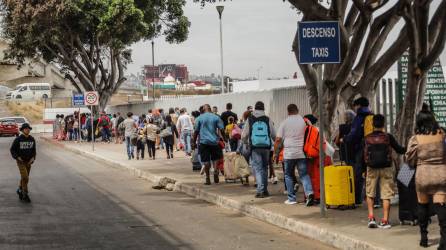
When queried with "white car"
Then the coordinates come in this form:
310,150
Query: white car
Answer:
29,91
20,120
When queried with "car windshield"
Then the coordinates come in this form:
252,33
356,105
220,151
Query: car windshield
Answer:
18,87
7,121
19,119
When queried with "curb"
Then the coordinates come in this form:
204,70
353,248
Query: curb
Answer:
313,232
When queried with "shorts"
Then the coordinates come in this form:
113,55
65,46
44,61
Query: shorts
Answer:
210,153
386,182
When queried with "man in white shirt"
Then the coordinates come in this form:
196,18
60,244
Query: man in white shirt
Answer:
292,133
185,128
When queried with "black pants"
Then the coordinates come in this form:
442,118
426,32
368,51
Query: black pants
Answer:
169,148
140,147
151,148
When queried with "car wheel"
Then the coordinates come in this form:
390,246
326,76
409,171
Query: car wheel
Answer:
45,96
18,97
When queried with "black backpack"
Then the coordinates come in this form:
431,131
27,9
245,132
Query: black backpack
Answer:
377,150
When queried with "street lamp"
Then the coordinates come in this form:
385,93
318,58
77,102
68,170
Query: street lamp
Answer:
220,12
153,71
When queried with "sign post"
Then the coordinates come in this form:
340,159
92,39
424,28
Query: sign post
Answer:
92,99
319,43
78,101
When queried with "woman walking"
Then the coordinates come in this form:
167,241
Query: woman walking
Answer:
169,130
426,152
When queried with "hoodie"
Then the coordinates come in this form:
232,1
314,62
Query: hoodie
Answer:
246,128
24,147
356,135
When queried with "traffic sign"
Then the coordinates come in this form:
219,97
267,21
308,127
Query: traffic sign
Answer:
319,42
78,100
91,98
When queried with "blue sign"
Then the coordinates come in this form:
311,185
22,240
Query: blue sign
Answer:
78,100
319,42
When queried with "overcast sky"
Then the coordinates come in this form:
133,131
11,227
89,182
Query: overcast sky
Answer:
256,34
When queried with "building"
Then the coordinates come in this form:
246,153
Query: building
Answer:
255,85
33,71
160,72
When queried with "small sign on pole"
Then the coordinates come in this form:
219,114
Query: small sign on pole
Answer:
78,100
92,99
319,43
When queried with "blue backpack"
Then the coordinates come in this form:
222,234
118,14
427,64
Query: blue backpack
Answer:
259,132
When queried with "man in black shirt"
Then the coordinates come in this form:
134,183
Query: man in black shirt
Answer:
228,113
23,150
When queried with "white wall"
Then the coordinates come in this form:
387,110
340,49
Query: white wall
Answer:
255,85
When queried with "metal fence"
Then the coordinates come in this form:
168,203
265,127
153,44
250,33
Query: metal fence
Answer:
276,101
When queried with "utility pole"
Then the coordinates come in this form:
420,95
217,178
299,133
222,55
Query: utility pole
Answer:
220,12
153,71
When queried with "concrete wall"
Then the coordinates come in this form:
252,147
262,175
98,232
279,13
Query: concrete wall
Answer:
275,100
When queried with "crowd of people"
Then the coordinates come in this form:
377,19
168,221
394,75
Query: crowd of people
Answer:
361,139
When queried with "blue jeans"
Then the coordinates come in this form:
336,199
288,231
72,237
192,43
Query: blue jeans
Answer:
259,162
105,132
359,180
290,167
186,137
129,146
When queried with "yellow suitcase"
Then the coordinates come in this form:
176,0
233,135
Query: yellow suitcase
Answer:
339,187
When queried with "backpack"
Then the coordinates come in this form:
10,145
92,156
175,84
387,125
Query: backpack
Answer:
368,125
259,132
236,133
104,122
312,142
377,150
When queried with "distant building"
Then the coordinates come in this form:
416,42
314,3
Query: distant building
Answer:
160,72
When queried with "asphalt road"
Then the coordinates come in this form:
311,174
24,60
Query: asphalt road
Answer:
78,203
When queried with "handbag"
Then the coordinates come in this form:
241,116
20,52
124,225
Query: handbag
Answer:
166,132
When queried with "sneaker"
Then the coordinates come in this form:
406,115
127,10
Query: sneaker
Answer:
171,156
288,202
377,206
20,193
372,223
274,180
310,200
259,195
266,194
216,178
26,198
384,224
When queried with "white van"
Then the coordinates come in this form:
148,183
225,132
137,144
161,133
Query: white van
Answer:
28,91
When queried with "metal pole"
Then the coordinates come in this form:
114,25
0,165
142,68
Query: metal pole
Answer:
79,126
392,110
384,96
92,128
220,12
153,71
321,139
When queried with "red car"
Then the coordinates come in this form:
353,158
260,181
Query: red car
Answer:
9,127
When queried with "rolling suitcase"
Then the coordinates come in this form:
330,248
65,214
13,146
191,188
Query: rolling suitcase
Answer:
407,209
339,187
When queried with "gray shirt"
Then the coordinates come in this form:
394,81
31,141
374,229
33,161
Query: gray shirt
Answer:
292,131
130,126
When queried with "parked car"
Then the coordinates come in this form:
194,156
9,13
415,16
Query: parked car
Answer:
17,119
29,91
8,127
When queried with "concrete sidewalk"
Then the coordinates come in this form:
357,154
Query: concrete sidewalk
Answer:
341,229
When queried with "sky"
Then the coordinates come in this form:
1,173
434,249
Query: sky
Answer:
257,37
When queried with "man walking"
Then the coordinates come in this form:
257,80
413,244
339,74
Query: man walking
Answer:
228,113
291,133
23,150
208,127
130,127
259,132
185,128
355,139
104,123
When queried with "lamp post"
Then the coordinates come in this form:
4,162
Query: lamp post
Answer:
220,12
153,71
